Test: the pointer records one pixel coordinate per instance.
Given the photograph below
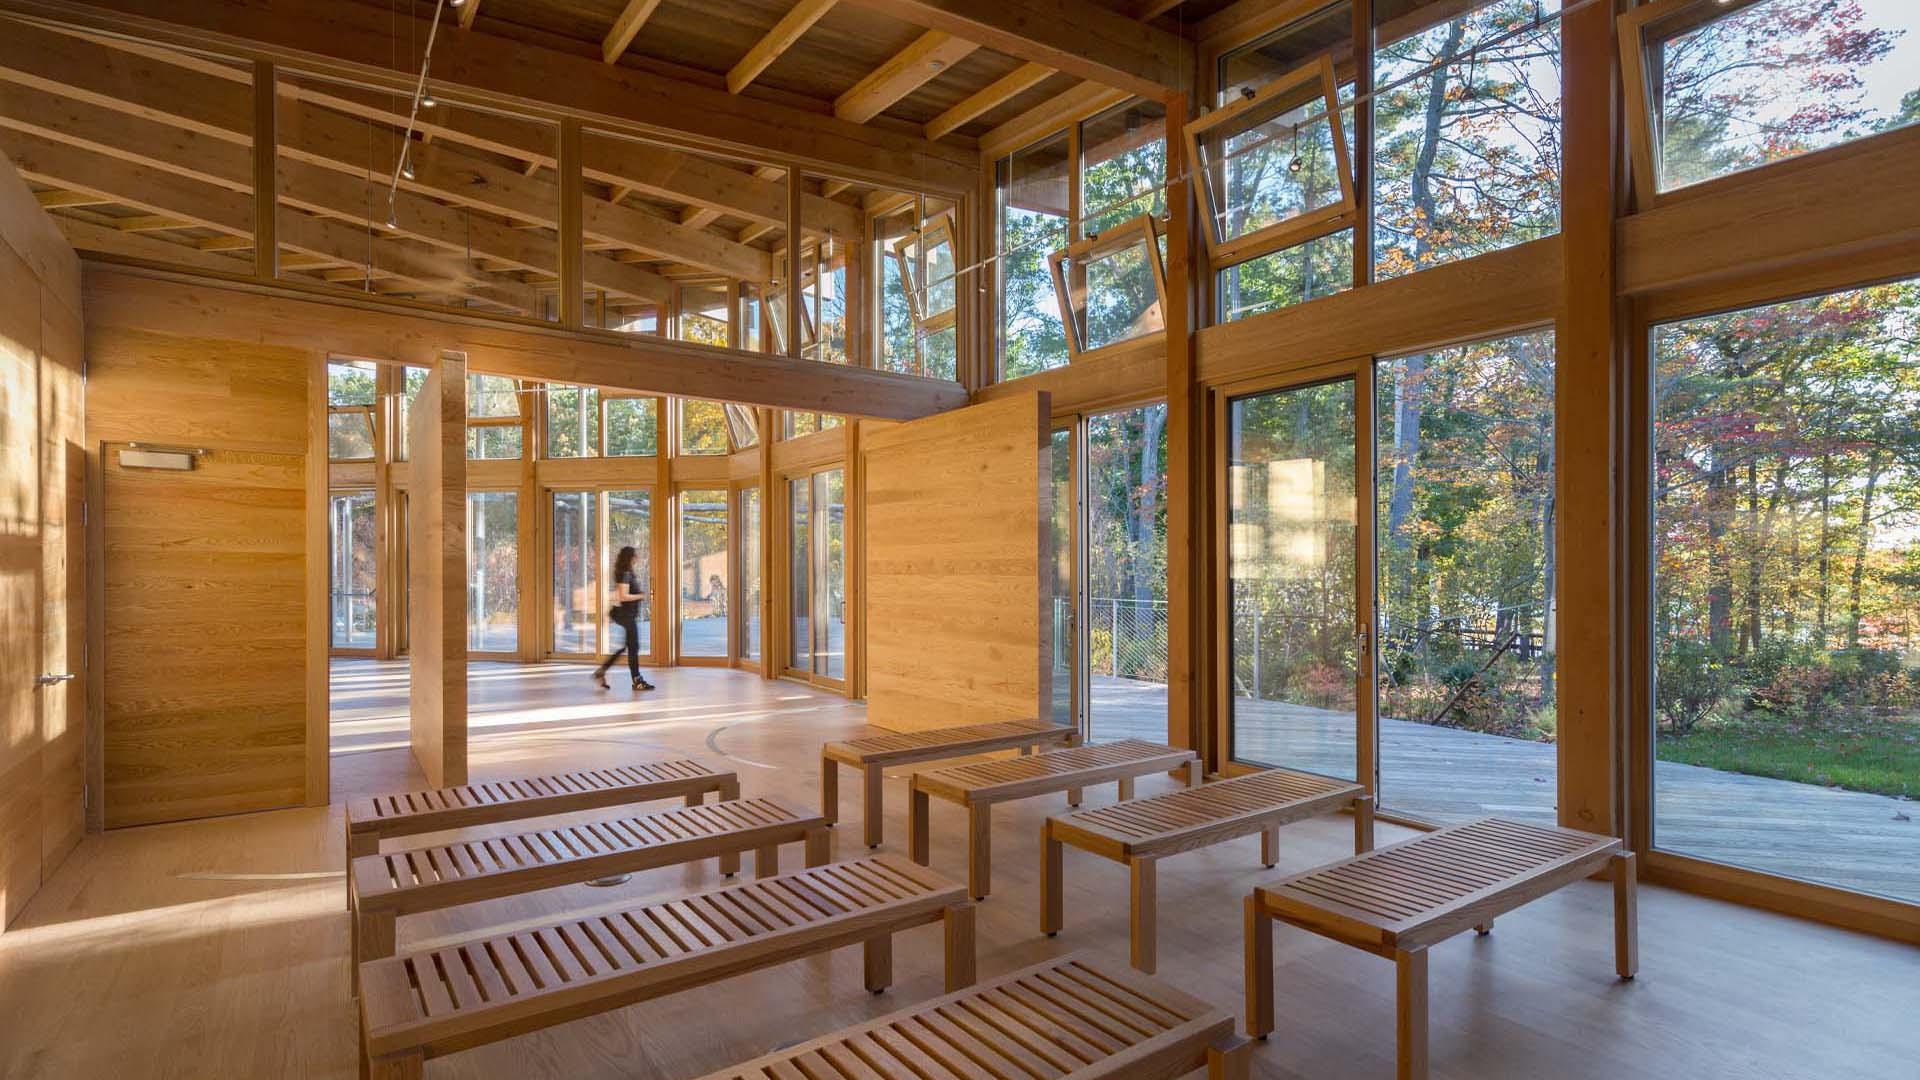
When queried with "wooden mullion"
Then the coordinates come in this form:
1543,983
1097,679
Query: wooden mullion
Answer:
1362,163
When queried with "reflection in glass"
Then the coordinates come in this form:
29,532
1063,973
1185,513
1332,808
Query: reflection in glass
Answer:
1060,576
1291,507
353,562
1275,163
350,435
830,573
750,573
493,573
577,600
703,314
1114,290
1320,267
703,573
1123,164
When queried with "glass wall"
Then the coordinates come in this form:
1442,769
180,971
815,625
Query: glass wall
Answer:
830,574
1464,535
1126,478
703,426
703,572
630,524
750,540
351,413
1033,193
1785,496
1060,550
633,427
800,574
494,428
704,315
1292,501
354,558
493,572
573,421
578,603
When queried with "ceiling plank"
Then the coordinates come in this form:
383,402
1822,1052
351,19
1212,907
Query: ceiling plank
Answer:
788,30
625,27
1075,36
468,13
355,41
988,98
903,73
1048,117
87,236
52,199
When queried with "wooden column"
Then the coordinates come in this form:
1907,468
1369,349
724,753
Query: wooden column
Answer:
572,255
1187,616
1587,402
437,570
772,639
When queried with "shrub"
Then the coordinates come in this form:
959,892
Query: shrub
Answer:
1689,681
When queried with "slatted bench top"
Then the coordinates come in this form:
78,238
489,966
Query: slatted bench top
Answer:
536,796
1195,817
895,748
1421,891
427,878
1079,1016
464,995
1056,770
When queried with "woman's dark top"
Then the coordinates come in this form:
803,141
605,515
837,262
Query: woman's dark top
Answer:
629,609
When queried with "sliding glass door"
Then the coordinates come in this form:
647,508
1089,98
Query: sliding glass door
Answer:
1125,481
704,570
816,571
1062,572
352,539
578,603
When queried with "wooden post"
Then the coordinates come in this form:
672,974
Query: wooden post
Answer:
960,947
879,962
1143,916
1258,976
437,572
1626,916
1053,908
572,254
1187,629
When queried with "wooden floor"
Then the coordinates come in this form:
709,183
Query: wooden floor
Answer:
218,948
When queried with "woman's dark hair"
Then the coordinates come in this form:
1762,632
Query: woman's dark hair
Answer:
623,562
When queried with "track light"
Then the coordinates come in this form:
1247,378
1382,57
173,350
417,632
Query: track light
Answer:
427,100
406,166
456,4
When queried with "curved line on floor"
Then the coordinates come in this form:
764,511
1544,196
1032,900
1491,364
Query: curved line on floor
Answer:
305,875
713,744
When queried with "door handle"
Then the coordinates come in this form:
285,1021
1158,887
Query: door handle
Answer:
53,680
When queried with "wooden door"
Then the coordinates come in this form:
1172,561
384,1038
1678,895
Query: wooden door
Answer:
205,594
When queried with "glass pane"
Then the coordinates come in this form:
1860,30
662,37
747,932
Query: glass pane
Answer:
1786,528
1127,574
899,350
350,436
1274,164
492,396
703,427
752,327
1033,225
416,377
1327,32
494,442
742,425
1464,507
577,597
830,572
1060,575
796,424
630,524
354,557
493,571
350,382
800,574
703,314
940,284
1320,267
573,421
750,573
1120,291
1123,165
1466,158
632,430
703,573
942,351
1780,78
1291,504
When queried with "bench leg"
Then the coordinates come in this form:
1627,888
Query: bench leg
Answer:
829,790
1259,968
373,940
919,843
1143,921
693,798
1053,907
1410,1013
879,962
363,844
819,847
1126,789
1075,796
1270,847
1196,774
960,947
1363,825
729,792
873,805
1483,929
1230,1059
411,1066
980,850
1626,915
766,861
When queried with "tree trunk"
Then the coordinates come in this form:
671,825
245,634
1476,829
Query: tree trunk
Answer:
1826,549
1860,552
1153,421
1719,575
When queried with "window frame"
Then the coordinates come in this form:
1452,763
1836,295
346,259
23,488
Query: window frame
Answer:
939,224
1140,229
1224,252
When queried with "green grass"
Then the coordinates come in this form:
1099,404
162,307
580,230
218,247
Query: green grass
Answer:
1876,754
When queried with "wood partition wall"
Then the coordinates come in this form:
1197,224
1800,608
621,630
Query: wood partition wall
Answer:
437,573
957,511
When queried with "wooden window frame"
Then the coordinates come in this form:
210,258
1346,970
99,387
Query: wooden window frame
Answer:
1135,230
374,431
940,224
1321,221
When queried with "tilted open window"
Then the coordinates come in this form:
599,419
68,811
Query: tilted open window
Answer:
927,261
1111,286
1274,166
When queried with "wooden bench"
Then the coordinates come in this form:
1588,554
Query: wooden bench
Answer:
1079,1016
1142,832
1400,900
405,882
980,785
388,817
873,754
426,1004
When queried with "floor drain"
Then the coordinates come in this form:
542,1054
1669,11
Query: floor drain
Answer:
609,882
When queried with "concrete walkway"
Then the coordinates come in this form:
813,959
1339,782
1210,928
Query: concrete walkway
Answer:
1846,838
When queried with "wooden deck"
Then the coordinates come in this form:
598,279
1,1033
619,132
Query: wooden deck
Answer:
1847,838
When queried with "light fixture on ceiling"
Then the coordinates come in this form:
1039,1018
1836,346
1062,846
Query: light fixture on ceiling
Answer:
406,164
427,100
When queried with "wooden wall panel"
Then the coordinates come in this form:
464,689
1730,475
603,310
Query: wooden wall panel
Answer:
63,489
437,573
957,508
20,738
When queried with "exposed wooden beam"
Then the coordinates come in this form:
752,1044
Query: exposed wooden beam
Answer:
151,223
902,74
87,236
1049,116
354,41
987,98
54,198
625,27
468,13
1076,36
640,363
777,40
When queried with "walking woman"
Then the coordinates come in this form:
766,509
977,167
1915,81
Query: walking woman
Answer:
626,612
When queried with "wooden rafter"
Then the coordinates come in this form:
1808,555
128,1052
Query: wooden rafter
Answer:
902,74
987,98
468,13
778,40
625,28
